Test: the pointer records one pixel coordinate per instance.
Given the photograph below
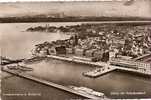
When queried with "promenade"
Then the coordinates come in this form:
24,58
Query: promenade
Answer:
101,64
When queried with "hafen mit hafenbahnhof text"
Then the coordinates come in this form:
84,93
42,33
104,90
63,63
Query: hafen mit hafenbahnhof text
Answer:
119,45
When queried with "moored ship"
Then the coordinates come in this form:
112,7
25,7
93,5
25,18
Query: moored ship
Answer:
87,91
19,67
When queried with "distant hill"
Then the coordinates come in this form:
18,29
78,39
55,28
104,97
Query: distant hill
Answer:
67,19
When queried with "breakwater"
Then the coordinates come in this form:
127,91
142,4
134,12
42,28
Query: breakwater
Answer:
65,88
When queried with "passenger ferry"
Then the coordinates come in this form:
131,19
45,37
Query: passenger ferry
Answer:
87,91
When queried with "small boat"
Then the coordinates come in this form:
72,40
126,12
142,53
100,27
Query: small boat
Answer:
13,67
23,68
19,67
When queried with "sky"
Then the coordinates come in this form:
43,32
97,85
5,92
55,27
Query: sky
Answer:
137,8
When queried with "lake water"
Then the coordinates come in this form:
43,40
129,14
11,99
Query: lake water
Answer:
16,43
17,85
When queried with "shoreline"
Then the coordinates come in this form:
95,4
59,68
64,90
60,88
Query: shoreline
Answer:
99,64
90,63
102,22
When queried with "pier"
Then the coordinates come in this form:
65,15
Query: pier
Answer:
5,61
65,88
98,72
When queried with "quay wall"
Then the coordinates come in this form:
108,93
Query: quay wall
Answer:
99,64
69,59
134,73
65,88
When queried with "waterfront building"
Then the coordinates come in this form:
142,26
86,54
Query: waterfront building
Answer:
71,42
131,64
98,53
79,51
89,52
105,56
52,51
112,54
57,49
43,52
69,51
60,49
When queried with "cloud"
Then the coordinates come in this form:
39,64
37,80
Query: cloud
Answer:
135,8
